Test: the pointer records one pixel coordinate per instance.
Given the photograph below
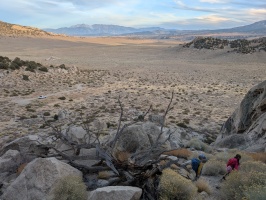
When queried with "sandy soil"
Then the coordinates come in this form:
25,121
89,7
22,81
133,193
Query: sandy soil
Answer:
208,84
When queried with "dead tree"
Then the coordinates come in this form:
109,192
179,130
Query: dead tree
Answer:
141,172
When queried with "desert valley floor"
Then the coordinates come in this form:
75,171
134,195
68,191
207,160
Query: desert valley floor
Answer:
208,85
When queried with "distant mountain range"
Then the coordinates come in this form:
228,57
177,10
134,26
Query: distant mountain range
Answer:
257,28
100,30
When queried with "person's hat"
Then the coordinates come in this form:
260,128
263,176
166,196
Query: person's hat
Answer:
202,157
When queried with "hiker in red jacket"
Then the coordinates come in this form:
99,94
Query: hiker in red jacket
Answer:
232,164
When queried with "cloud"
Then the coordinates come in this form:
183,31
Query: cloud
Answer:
261,11
213,1
183,6
213,19
59,13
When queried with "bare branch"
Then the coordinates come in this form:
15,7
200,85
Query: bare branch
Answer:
121,115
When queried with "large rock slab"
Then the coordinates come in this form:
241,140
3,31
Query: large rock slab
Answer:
247,123
137,138
27,146
38,178
116,192
10,161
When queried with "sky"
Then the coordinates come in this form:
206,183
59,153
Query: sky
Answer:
171,14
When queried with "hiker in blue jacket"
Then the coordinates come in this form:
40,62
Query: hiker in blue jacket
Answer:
196,164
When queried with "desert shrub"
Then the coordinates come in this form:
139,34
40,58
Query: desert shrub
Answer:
249,181
31,66
261,156
230,153
14,66
43,69
174,186
70,188
4,59
25,77
62,66
62,98
199,145
31,110
56,117
33,116
202,185
258,193
122,156
253,166
4,62
182,125
4,65
214,168
46,114
180,153
104,175
18,62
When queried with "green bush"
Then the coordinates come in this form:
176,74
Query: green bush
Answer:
70,188
174,186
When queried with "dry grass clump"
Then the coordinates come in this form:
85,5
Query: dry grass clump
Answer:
247,183
253,166
202,185
122,156
230,153
104,175
199,145
196,155
70,188
261,156
180,153
174,186
214,167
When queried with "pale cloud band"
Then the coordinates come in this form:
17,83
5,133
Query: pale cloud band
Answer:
186,14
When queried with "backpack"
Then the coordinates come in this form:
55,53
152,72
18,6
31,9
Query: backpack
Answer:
232,162
195,164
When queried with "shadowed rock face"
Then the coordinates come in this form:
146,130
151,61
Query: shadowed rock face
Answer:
246,127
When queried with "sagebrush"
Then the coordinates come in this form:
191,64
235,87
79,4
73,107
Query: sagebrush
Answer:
70,188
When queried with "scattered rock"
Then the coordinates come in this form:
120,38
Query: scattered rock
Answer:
10,161
116,192
37,179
